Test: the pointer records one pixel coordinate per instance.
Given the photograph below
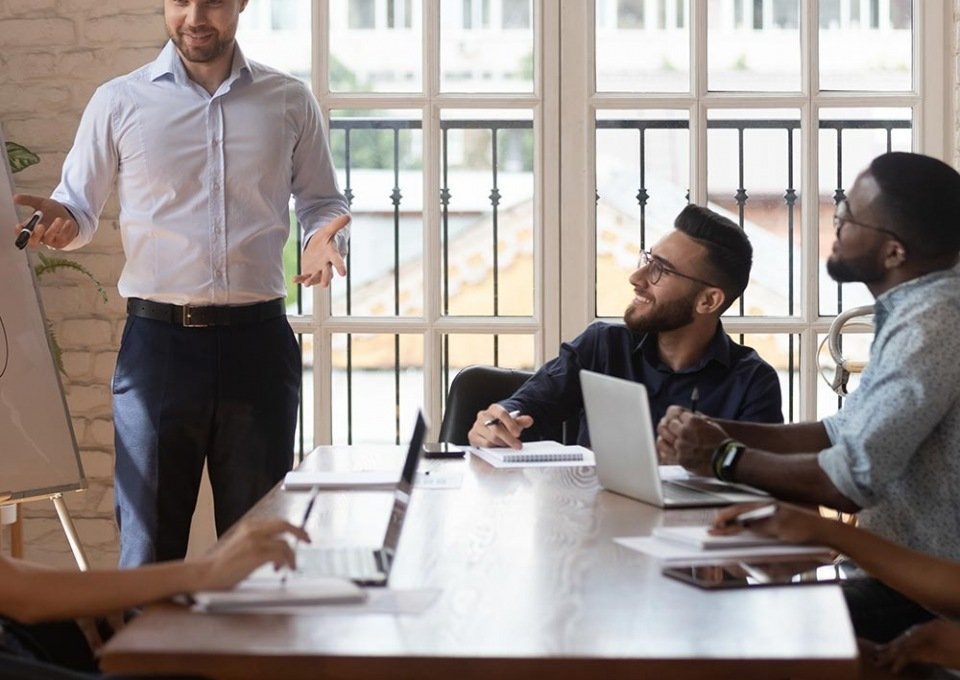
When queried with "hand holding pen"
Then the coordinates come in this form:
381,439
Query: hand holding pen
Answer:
314,492
55,227
495,427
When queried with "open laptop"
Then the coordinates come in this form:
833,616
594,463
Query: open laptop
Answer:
621,433
367,565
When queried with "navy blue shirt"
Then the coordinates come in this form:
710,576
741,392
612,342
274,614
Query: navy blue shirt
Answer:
733,381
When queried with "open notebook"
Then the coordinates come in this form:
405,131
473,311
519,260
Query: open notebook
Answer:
542,453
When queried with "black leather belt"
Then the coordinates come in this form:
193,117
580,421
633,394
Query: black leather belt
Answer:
200,317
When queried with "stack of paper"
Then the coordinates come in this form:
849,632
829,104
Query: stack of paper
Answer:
694,544
349,479
536,454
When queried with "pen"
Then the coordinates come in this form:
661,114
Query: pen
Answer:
27,230
747,518
694,398
496,421
314,492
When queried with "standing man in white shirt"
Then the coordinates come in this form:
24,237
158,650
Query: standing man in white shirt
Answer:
205,147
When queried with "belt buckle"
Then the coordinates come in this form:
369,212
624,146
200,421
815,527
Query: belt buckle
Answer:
186,318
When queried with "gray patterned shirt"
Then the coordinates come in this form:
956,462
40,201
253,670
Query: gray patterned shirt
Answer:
896,442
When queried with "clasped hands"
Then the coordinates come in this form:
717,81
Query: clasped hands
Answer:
688,439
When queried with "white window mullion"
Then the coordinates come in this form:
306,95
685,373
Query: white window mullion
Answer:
809,210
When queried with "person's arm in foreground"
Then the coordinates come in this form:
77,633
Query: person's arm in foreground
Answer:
931,581
32,593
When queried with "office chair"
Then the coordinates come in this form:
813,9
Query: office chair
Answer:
476,387
844,367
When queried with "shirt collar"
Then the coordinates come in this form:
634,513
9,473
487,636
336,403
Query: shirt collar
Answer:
718,350
168,63
907,293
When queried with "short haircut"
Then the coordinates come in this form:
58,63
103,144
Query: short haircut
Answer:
920,201
729,253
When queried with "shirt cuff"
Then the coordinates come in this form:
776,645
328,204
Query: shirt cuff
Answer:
833,462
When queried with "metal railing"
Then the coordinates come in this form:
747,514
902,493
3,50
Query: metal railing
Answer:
347,128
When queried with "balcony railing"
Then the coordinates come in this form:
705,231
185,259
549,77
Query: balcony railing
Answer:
343,132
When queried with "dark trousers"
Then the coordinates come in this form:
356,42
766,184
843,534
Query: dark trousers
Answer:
226,394
879,613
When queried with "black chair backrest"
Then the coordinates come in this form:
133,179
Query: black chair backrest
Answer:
476,387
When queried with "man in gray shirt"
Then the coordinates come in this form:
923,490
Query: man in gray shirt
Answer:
891,453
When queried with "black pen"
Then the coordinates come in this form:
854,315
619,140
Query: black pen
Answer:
496,421
24,236
303,526
694,398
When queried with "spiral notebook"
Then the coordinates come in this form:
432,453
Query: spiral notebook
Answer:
543,453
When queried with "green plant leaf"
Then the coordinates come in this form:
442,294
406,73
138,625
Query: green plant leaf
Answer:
55,348
20,157
49,264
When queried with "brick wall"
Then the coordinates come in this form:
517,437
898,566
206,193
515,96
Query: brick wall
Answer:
53,54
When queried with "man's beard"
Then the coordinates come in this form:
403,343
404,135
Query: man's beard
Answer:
200,54
668,317
863,269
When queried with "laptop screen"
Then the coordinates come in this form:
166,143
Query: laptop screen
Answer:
401,497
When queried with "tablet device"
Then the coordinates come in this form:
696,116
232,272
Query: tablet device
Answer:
760,573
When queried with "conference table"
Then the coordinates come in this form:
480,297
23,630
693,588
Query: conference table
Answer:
526,580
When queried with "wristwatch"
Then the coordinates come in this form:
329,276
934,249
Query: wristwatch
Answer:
725,459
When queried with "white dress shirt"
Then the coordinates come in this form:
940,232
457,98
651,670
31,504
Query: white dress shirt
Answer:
204,181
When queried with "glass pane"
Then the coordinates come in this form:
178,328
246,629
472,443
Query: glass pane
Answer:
637,52
378,155
277,33
487,213
464,349
486,46
849,140
753,45
753,177
303,442
643,175
781,351
866,46
395,64
377,385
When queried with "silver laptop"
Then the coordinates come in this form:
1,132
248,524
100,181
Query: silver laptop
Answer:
367,565
621,433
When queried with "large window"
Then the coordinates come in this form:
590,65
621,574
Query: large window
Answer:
504,165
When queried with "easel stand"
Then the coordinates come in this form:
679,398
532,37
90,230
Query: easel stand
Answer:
13,516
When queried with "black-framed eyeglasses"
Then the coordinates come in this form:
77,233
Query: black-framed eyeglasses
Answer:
842,216
656,268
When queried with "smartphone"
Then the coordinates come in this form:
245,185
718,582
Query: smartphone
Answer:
442,450
756,573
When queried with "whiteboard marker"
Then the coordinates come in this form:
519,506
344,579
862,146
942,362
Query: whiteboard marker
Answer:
28,228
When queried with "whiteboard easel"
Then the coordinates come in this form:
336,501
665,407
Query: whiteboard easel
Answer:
39,457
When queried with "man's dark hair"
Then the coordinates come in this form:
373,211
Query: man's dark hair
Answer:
920,201
729,253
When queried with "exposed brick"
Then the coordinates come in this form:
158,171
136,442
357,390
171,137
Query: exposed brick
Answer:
76,365
100,433
135,30
103,365
25,99
37,32
75,333
97,464
19,7
88,400
27,65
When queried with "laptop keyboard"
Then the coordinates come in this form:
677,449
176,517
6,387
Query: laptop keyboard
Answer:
680,494
352,563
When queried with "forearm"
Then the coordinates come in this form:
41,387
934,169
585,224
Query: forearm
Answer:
794,438
929,580
797,478
34,595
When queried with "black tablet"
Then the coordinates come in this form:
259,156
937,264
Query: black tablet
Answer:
762,573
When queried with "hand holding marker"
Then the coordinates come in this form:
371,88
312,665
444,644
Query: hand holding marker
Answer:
24,236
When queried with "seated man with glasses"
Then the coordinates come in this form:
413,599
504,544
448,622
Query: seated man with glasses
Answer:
892,453
673,341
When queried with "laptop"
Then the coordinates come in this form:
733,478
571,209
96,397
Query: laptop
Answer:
369,566
621,432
